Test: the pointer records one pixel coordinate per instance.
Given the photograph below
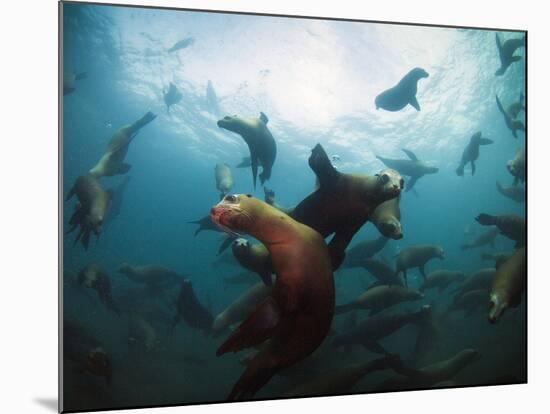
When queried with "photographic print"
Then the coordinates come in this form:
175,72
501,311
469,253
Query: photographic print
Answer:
258,207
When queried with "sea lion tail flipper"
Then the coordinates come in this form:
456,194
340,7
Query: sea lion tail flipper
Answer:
264,118
414,103
322,167
410,183
225,243
81,75
499,45
410,154
255,329
486,219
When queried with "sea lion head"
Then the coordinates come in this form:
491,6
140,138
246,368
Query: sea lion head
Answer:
497,305
87,278
391,228
419,73
511,166
240,247
232,123
235,213
390,184
98,363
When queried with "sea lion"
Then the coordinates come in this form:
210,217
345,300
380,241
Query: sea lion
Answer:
512,124
171,96
117,196
181,44
517,167
262,146
514,192
508,285
242,307
191,310
150,275
402,94
364,250
91,209
471,153
69,80
417,256
84,350
224,179
343,202
515,108
369,332
498,258
298,314
413,167
506,52
486,238
510,225
254,257
441,279
378,298
386,217
93,276
430,375
480,279
205,224
112,162
384,274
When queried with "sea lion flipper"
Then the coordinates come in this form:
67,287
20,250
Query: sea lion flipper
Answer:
410,154
410,183
264,118
255,329
500,107
226,243
499,45
473,167
414,103
253,164
322,167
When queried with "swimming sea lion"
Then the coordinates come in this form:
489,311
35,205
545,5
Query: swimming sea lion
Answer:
413,167
241,308
417,256
515,108
364,250
181,44
378,298
517,167
510,225
386,217
191,310
171,96
91,209
369,332
254,257
402,94
112,162
512,124
224,179
430,375
440,279
506,52
508,285
343,202
150,275
514,192
93,276
298,314
69,80
384,274
480,279
471,153
142,336
487,238
262,146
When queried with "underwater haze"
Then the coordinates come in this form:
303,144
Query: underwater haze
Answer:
315,81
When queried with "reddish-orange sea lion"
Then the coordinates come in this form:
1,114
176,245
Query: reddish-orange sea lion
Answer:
297,316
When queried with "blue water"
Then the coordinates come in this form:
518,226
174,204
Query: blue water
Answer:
316,80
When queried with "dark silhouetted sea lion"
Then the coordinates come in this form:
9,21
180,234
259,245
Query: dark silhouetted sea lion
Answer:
413,167
364,250
514,192
224,179
191,310
402,94
151,275
471,153
506,52
417,256
343,202
440,279
486,238
510,225
512,124
378,298
93,276
254,257
297,316
112,162
517,167
262,146
381,271
508,285
386,217
69,80
171,96
91,209
182,44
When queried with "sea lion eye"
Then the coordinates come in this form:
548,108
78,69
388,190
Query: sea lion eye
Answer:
230,198
385,178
